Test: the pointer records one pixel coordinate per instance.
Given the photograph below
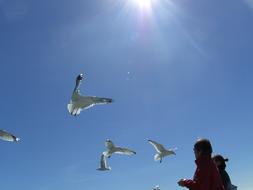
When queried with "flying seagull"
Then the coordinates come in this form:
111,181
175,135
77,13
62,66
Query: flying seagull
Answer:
115,149
161,151
156,187
103,164
7,136
79,102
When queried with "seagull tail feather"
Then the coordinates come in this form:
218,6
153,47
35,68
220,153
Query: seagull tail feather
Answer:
157,157
70,108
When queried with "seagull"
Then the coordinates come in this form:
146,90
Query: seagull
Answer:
79,102
162,152
7,136
156,187
114,149
103,165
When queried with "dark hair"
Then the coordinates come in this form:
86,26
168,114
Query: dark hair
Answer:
222,161
204,146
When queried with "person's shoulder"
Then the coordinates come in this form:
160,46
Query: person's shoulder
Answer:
225,176
224,172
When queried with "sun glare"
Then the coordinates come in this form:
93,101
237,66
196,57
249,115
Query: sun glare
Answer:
143,4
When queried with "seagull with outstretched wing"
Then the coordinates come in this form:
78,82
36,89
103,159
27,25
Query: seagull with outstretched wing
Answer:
79,102
115,149
161,151
6,136
103,164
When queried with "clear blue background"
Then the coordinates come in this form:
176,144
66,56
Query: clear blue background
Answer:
179,70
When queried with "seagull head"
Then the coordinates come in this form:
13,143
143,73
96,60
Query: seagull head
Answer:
79,77
173,150
108,140
16,139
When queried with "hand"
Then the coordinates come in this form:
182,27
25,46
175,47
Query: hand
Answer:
181,182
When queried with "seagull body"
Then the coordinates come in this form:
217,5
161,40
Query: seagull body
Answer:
156,187
4,135
103,164
117,150
79,102
161,151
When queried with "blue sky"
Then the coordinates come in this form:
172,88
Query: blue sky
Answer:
177,70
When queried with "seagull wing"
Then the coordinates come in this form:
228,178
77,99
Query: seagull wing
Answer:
98,100
103,162
126,151
103,165
4,135
159,148
79,78
85,102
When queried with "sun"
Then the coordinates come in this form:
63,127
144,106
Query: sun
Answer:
143,4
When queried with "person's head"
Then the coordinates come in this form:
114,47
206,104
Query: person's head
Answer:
220,161
202,147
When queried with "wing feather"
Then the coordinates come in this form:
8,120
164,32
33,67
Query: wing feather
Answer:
159,148
126,151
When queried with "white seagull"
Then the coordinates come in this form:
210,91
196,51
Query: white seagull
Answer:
79,102
114,149
156,187
103,165
7,136
161,151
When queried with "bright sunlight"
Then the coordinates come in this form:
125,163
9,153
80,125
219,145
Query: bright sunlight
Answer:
144,4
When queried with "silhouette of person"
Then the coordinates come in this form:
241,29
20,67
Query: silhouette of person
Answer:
206,176
221,165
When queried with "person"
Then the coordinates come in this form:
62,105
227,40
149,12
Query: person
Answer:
206,176
221,165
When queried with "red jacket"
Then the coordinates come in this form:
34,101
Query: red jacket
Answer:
206,176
